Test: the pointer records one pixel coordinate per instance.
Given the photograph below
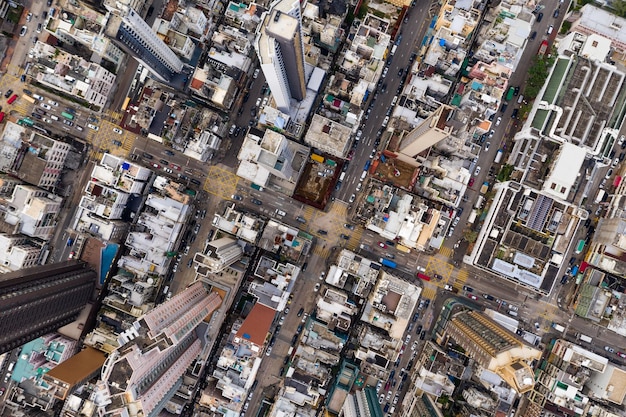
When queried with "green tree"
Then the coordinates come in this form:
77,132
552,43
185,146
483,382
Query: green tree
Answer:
619,7
470,236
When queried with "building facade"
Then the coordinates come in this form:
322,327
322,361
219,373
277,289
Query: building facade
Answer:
41,299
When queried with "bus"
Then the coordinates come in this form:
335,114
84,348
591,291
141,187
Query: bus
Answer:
28,98
510,93
126,103
25,122
68,116
423,276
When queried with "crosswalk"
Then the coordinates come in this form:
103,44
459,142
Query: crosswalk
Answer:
321,251
447,252
429,292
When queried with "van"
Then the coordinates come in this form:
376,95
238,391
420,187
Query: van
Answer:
280,212
363,175
300,219
520,99
342,176
550,29
512,313
54,117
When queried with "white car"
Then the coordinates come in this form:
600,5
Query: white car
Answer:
45,106
477,171
352,197
53,103
447,287
23,30
29,17
317,287
90,126
498,121
268,351
118,130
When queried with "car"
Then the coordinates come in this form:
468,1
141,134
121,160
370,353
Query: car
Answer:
268,352
621,355
477,171
71,255
67,122
471,182
513,308
39,27
322,276
472,296
382,245
45,106
155,165
322,232
381,399
491,133
256,73
169,171
447,287
395,399
379,385
317,287
352,198
358,186
608,174
29,17
23,30
468,289
304,317
170,153
556,13
47,120
487,145
36,115
236,197
53,103
539,17
488,297
344,236
90,126
164,161
257,202
498,121
23,78
118,130
609,349
300,312
176,167
400,72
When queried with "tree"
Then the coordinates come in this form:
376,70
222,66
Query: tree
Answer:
470,236
619,7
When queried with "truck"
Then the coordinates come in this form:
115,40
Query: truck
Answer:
585,338
484,188
580,246
558,327
423,276
472,217
498,156
386,262
403,248
393,49
600,196
510,93
479,202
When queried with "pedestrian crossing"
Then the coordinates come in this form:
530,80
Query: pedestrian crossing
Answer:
447,252
321,251
429,292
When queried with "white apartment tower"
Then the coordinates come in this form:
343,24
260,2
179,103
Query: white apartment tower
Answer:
281,52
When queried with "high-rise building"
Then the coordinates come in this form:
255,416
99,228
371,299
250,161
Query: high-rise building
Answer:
146,371
39,300
137,38
432,130
494,348
281,52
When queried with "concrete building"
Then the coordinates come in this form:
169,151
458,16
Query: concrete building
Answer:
19,252
595,20
281,52
31,156
218,255
41,299
138,39
28,210
432,130
363,402
494,348
70,374
71,75
145,372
